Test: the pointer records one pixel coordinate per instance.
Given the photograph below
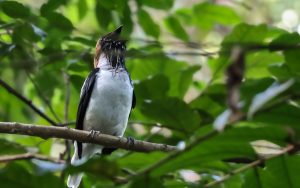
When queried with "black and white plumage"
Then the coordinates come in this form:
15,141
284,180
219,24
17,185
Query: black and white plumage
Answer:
106,99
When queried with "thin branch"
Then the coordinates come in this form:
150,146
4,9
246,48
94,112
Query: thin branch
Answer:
67,97
248,166
27,101
67,151
82,136
190,44
171,53
41,95
24,156
170,157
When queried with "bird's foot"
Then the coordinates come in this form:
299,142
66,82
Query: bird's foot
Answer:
93,133
130,142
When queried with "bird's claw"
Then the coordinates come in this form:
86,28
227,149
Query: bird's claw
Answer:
93,133
130,142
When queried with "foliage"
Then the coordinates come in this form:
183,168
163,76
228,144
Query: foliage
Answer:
46,52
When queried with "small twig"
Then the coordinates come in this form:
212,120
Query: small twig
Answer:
82,136
170,53
171,156
24,156
67,151
42,96
248,166
26,101
67,97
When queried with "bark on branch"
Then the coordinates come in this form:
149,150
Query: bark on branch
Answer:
46,132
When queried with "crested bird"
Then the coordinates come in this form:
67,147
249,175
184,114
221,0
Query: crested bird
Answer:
106,99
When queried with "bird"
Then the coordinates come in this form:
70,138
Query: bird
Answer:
106,99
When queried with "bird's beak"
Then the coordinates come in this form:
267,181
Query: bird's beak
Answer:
118,30
115,34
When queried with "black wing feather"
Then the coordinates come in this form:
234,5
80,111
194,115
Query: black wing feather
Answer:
133,100
84,102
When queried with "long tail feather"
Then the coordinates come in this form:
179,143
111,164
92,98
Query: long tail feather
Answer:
88,150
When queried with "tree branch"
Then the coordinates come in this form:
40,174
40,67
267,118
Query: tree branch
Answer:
8,158
26,101
82,136
250,165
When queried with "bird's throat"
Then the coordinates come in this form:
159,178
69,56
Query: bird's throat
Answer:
111,61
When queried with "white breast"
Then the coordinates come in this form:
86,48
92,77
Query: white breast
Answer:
110,103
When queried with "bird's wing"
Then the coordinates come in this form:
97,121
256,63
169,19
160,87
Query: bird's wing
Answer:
133,100
86,92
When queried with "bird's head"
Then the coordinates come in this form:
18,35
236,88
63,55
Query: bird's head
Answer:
112,47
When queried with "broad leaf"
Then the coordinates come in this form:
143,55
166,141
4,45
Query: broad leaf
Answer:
14,9
208,14
148,25
172,112
176,28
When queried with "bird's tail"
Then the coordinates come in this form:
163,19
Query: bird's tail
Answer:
87,152
75,179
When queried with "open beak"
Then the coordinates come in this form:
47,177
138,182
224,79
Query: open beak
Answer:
115,34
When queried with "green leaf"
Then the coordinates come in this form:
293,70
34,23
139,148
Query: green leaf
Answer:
151,182
113,5
136,160
77,81
291,55
24,32
253,86
283,115
286,39
185,15
283,168
175,27
172,112
281,71
51,6
178,72
160,4
103,15
59,21
245,34
14,9
147,89
47,81
206,15
15,175
207,104
7,147
234,143
184,81
252,178
257,63
97,167
126,20
292,60
82,9
147,23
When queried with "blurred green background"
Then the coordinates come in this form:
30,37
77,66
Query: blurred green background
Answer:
178,53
